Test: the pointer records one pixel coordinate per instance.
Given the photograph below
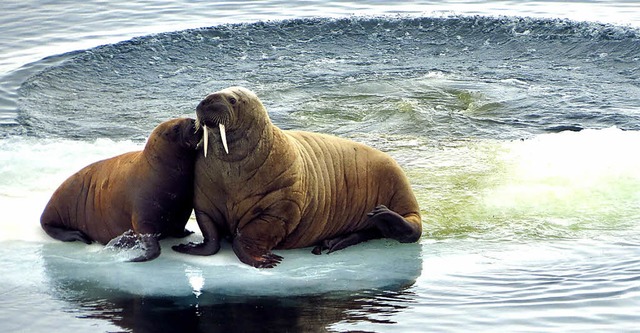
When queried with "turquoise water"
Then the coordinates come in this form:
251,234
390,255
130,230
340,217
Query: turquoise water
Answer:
517,123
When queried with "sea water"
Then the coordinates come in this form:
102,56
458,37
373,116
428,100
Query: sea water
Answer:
517,124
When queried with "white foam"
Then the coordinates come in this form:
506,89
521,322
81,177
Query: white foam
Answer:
571,175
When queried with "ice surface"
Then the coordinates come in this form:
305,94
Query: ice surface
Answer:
376,264
587,177
30,171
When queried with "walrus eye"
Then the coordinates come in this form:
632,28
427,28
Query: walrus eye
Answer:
232,100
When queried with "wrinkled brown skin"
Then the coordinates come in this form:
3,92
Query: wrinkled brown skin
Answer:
278,189
148,191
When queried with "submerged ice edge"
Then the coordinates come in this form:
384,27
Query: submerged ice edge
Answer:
174,274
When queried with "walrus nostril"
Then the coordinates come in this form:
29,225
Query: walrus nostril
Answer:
216,108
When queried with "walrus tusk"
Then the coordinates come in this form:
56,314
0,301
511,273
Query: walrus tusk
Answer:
223,136
206,140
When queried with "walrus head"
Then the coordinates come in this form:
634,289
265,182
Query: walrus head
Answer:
234,111
180,131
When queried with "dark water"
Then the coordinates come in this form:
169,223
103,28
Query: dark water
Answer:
505,77
224,313
449,97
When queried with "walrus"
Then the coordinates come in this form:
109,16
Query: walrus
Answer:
265,188
141,195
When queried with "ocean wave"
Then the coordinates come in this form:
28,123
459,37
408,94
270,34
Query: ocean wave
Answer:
573,74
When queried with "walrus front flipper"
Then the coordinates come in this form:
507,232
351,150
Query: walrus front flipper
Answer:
211,243
182,234
65,234
148,243
254,241
151,247
253,256
205,248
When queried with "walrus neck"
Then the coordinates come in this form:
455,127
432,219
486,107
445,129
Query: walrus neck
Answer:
174,160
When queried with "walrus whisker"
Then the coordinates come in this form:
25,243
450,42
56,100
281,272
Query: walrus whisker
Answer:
197,123
223,136
206,139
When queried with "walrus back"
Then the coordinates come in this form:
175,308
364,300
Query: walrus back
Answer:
80,202
349,180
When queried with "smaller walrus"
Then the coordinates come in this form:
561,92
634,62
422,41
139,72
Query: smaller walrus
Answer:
148,191
267,188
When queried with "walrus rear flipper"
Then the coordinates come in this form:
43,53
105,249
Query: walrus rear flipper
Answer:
386,224
341,242
210,245
407,229
66,234
181,234
254,256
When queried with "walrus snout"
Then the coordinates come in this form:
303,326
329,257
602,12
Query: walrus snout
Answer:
185,132
193,135
193,128
211,112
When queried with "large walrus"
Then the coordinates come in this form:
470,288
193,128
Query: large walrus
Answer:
267,188
148,191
